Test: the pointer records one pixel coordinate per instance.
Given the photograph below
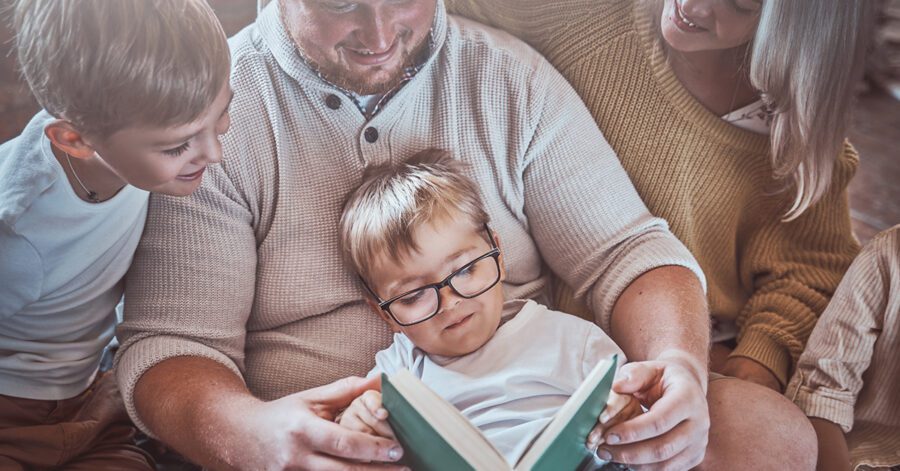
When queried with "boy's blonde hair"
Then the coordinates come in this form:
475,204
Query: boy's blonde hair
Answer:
105,65
392,201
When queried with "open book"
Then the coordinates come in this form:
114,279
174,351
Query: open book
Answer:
436,436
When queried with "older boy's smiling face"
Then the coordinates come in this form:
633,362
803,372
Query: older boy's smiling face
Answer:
168,161
461,325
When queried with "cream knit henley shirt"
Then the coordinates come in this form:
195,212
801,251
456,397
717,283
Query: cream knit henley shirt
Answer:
248,270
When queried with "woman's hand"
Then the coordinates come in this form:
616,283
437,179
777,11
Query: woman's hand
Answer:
751,370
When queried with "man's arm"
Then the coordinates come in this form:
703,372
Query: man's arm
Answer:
643,285
663,314
200,408
661,322
189,295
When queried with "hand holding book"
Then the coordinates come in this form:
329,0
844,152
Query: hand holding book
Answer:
365,414
619,408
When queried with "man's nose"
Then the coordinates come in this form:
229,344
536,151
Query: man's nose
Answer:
377,31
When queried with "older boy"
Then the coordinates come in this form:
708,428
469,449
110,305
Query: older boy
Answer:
508,366
127,110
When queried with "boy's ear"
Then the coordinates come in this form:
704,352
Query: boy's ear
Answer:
66,138
384,316
500,258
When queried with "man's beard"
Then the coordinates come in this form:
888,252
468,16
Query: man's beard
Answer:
361,85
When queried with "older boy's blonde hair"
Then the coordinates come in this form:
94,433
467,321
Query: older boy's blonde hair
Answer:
105,65
392,201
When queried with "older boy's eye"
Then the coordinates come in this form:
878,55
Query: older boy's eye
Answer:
176,151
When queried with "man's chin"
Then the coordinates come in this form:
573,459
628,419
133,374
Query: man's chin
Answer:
373,84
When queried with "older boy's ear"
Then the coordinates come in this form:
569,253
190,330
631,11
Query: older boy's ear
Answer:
66,138
384,316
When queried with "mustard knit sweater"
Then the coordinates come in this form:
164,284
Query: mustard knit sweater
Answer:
712,181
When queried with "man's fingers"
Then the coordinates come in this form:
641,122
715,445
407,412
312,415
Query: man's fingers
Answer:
332,439
324,462
687,459
624,408
669,411
341,392
654,451
637,377
614,405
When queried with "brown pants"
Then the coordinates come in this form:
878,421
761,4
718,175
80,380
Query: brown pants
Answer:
90,431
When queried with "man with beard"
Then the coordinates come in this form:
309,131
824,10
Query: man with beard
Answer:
241,315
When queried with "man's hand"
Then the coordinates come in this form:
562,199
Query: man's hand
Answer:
751,370
674,432
366,415
619,408
298,432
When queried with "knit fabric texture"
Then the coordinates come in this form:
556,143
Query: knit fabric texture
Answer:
712,181
248,271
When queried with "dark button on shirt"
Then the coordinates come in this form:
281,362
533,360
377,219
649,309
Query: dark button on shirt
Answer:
371,135
332,101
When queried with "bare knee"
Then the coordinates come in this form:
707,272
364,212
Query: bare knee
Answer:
753,427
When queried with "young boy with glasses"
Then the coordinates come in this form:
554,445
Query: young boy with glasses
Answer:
418,236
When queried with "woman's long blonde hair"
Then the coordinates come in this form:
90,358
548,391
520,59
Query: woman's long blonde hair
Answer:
806,58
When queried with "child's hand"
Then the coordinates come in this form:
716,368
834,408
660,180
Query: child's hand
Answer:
619,408
366,415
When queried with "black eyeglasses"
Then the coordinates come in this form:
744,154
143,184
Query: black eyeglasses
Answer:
423,303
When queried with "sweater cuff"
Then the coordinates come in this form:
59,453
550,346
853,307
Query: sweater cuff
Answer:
761,348
833,406
652,250
136,358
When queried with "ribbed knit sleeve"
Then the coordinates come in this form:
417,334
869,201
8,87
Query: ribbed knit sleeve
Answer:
191,285
793,268
202,314
590,224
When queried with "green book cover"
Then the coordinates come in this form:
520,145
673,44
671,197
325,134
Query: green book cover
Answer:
568,449
561,446
424,448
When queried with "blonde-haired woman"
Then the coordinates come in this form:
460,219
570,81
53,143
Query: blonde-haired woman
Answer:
730,117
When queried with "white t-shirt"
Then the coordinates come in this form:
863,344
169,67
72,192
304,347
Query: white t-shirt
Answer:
512,386
62,260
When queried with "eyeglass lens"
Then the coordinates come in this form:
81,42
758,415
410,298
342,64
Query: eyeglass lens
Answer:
469,281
